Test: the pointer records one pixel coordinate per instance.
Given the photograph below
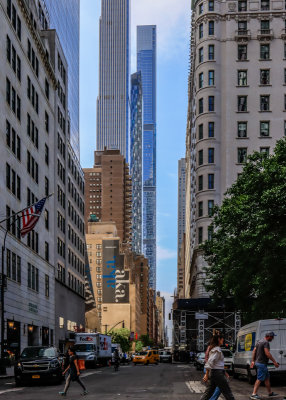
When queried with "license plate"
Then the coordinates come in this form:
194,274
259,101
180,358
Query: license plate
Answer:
226,367
35,376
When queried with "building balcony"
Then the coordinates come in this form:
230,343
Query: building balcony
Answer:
265,34
242,35
283,34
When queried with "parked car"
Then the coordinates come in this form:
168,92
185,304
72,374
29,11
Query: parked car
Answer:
228,360
200,361
248,336
38,363
165,356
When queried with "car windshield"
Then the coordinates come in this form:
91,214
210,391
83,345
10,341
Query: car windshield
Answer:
38,352
227,353
142,353
201,355
83,347
165,353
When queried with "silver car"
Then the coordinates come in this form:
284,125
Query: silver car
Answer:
165,356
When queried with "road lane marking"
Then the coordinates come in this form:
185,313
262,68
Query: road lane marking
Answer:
90,373
195,386
10,390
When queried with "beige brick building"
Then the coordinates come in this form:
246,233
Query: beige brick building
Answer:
237,104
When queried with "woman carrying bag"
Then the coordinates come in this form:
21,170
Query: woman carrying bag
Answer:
215,371
73,373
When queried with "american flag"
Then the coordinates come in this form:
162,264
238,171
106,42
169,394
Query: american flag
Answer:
31,215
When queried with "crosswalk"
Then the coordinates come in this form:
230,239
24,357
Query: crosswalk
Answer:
197,387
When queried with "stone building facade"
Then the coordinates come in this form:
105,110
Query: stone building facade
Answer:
237,103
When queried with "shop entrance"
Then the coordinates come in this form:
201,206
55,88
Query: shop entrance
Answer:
13,339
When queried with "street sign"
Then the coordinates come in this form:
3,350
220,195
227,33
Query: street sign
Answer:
201,316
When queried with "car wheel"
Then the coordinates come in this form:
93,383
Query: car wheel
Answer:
147,363
134,364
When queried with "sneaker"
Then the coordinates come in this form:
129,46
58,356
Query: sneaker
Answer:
84,393
62,394
273,394
255,396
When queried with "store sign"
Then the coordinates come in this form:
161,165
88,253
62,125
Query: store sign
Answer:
115,279
33,308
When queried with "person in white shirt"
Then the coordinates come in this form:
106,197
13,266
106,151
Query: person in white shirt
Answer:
215,371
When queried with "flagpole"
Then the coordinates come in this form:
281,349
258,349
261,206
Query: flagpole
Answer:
4,280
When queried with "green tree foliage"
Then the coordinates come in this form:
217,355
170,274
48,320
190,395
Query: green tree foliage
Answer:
145,339
138,346
122,337
247,252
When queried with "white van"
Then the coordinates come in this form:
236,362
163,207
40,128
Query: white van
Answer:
248,336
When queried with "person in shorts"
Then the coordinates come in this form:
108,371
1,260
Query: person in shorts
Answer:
260,357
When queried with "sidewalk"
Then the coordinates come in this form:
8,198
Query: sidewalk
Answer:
9,373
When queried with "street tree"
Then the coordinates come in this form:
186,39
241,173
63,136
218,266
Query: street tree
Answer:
138,346
246,253
122,337
146,340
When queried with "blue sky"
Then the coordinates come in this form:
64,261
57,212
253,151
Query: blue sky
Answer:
172,18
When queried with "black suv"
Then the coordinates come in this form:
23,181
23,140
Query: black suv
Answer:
38,363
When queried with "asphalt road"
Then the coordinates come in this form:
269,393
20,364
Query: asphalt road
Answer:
165,381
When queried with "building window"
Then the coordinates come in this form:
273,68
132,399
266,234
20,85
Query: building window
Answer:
211,78
242,5
46,154
241,155
201,131
264,77
242,78
284,101
265,151
242,52
33,277
47,255
265,5
47,122
46,215
201,8
242,129
211,129
201,30
201,106
200,209
264,128
201,80
201,54
211,28
201,157
47,285
264,103
200,236
242,27
265,26
211,5
210,181
211,155
47,89
211,52
210,208
211,103
265,51
201,182
210,232
284,128
242,103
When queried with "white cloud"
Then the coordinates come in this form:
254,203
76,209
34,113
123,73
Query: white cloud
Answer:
172,18
165,254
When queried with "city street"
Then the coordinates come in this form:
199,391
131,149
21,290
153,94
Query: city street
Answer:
176,381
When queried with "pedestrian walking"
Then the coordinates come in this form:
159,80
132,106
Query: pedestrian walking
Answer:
260,357
215,371
73,373
217,391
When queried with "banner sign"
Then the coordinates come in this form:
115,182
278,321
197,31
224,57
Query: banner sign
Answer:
115,279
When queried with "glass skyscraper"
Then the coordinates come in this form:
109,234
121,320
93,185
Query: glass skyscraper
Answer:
64,17
114,58
136,159
146,64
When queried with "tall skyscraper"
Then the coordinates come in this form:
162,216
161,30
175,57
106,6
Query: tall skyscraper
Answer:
181,200
136,160
146,64
64,17
112,102
237,105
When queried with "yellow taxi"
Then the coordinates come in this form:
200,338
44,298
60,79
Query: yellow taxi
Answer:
146,357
